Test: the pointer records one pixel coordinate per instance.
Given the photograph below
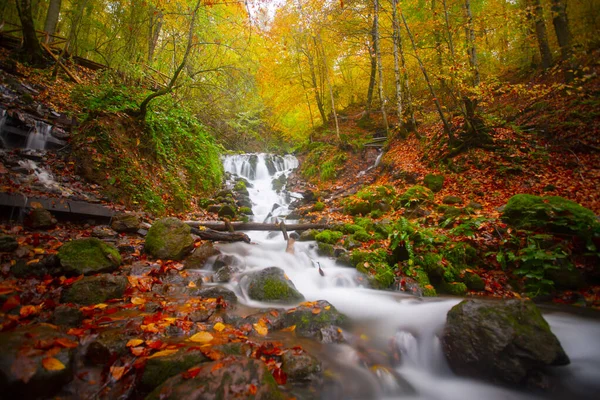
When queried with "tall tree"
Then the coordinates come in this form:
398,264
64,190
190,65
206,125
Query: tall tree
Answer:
379,64
536,13
31,50
396,40
563,35
155,17
52,18
370,43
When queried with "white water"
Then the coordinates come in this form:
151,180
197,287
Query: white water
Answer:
39,136
392,322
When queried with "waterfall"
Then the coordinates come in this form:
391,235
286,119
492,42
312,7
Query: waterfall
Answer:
38,137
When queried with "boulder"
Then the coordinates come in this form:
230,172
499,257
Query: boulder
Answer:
309,234
169,239
88,256
503,342
300,366
452,200
160,369
108,345
198,258
8,244
318,319
434,182
67,316
95,289
227,211
22,371
272,285
104,232
415,195
49,265
40,218
224,274
125,222
218,292
228,378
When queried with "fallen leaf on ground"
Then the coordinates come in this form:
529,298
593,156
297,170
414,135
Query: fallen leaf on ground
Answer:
53,364
163,353
201,337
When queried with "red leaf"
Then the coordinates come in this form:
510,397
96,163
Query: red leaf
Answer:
191,373
280,376
12,302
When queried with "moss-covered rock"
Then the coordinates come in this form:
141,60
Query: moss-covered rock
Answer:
473,281
362,236
88,256
329,236
504,342
40,218
375,266
228,378
272,285
434,182
300,366
356,206
307,235
160,369
227,211
551,213
169,239
415,195
318,206
245,211
125,222
453,288
8,243
315,319
95,289
65,315
198,258
325,249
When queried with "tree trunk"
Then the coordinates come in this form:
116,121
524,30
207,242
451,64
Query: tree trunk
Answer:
396,39
379,66
313,76
412,124
154,28
537,14
31,50
330,84
373,74
563,35
438,106
52,19
169,88
471,48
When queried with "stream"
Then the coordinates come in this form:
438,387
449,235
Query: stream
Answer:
386,323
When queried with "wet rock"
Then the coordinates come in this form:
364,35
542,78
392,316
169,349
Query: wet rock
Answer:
104,232
169,239
107,346
308,235
231,377
409,285
213,208
198,258
321,325
160,369
279,183
95,289
218,292
272,285
504,342
125,222
39,218
68,316
227,211
175,283
88,256
272,317
49,265
473,281
224,274
227,260
300,366
8,244
22,374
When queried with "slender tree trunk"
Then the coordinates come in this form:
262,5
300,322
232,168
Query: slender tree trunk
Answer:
154,28
436,34
373,74
31,50
396,39
438,106
169,88
541,34
380,66
312,121
313,77
471,102
52,18
563,35
330,84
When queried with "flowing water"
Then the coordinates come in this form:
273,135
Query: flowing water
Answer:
387,323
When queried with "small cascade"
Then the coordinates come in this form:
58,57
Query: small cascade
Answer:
44,178
39,136
375,165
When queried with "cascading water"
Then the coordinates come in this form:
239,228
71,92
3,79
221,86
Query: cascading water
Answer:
391,322
38,138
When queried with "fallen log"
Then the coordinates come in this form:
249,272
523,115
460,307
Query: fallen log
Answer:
255,226
209,234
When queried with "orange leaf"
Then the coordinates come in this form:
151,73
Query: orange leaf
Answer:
138,300
163,353
191,373
261,328
117,372
66,343
219,327
53,364
316,310
26,311
201,337
10,303
138,351
134,342
289,329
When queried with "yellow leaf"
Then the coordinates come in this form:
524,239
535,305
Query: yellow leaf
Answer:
219,327
163,353
138,300
289,329
261,328
37,250
201,337
134,342
101,306
53,364
117,372
192,285
327,308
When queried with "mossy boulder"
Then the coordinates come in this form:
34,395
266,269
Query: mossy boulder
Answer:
308,235
160,369
88,256
452,200
169,239
362,236
415,195
325,249
8,244
503,342
551,213
65,315
316,319
300,366
230,377
125,222
272,285
245,211
473,281
356,206
227,211
375,266
318,206
279,183
40,218
329,236
453,288
22,374
95,289
434,182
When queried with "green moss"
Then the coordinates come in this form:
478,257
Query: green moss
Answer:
422,279
362,203
374,264
329,236
473,281
376,214
355,206
169,238
91,255
245,211
365,223
415,195
325,249
159,369
319,206
361,236
349,228
240,186
274,289
434,182
455,288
